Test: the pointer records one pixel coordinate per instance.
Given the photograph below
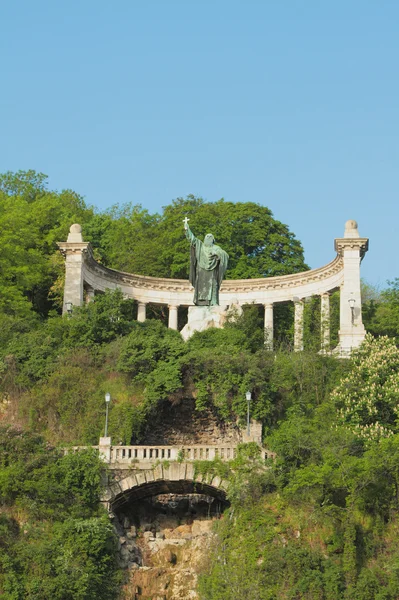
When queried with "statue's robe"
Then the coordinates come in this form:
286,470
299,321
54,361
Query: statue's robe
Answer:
208,265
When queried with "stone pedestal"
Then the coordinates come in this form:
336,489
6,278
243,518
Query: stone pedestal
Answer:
201,318
104,449
255,433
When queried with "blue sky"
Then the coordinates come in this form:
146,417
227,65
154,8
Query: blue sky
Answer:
292,104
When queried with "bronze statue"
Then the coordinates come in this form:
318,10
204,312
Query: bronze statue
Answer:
208,265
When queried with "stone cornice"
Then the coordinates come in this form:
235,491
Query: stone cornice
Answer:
73,247
284,281
230,286
342,244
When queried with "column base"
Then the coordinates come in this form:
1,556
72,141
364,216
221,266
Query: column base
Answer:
349,341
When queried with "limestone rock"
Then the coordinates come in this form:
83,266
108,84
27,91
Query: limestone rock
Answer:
201,318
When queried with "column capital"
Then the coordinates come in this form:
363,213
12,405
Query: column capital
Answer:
341,245
67,248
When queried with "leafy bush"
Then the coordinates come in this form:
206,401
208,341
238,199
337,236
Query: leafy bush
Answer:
65,546
368,397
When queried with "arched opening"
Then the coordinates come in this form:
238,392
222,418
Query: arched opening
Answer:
165,532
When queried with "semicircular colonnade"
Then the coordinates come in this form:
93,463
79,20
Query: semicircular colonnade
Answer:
84,276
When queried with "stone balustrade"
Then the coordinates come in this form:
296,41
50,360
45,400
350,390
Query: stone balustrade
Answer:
143,457
170,453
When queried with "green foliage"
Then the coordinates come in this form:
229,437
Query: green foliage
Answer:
381,310
108,317
149,344
320,521
32,220
367,398
64,547
46,482
253,559
133,240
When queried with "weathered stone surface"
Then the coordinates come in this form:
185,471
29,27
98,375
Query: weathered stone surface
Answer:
132,533
201,318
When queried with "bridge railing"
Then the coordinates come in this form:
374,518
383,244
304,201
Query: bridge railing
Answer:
172,453
148,455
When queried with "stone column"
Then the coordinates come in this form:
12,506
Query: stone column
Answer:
141,312
352,249
173,312
325,322
74,250
269,329
89,294
298,326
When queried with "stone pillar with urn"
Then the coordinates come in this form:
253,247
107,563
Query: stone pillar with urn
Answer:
352,249
74,250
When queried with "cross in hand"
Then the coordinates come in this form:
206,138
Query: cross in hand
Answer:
185,221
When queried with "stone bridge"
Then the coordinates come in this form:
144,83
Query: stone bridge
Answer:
138,472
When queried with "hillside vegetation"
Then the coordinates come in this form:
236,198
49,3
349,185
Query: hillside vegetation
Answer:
320,523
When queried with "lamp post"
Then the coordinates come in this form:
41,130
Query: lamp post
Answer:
248,396
352,302
107,401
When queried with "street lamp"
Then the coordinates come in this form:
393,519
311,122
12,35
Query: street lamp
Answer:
352,303
107,401
248,396
68,307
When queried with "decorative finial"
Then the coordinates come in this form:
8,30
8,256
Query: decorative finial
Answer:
75,234
351,230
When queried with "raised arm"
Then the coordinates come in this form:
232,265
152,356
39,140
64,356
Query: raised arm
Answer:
189,235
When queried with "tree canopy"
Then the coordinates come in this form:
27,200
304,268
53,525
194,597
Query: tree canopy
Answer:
32,220
130,239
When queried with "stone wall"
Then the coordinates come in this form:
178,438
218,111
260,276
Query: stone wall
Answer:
181,424
163,544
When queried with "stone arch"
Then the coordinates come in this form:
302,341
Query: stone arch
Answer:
172,478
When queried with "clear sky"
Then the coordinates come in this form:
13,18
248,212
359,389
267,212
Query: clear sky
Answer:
292,104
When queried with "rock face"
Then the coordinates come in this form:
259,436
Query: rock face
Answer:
180,424
166,548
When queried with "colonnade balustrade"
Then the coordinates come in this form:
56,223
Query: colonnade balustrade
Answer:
84,277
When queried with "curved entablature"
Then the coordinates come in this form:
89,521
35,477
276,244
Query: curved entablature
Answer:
85,275
242,291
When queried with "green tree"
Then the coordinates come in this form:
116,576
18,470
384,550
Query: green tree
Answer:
32,220
258,245
367,398
381,310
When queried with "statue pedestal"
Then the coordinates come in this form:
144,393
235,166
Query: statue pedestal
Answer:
203,317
